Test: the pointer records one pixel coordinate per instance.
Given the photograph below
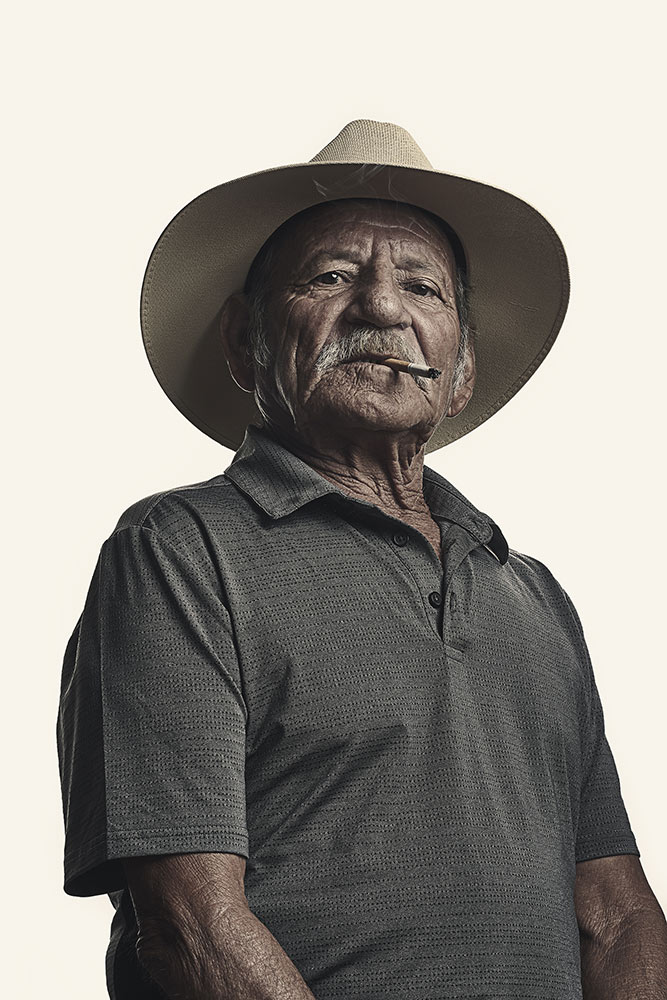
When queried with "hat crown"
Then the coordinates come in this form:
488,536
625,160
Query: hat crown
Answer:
366,141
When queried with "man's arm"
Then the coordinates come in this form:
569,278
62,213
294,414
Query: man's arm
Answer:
622,931
197,936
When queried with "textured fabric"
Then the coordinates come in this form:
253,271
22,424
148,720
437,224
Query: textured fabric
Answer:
370,142
410,754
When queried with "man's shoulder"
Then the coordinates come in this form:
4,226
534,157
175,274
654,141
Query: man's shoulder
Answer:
529,564
533,571
537,581
172,510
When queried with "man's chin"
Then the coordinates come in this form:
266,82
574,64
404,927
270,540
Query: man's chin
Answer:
367,411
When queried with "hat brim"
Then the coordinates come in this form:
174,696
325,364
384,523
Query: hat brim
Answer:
517,270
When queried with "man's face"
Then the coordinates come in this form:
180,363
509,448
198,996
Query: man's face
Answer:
355,278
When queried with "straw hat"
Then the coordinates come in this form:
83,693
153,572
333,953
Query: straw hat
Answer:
516,267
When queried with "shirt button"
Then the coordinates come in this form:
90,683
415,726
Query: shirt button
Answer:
400,539
435,599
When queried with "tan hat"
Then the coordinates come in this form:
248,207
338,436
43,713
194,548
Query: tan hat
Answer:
516,267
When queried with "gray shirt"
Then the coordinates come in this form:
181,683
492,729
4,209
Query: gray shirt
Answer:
410,754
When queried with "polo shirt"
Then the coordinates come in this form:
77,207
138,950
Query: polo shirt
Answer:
410,753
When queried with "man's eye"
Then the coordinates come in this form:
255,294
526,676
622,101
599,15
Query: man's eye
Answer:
419,288
323,279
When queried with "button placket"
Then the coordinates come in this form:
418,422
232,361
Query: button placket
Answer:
454,619
401,539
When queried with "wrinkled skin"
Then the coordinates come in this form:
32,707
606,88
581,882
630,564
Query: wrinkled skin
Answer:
354,277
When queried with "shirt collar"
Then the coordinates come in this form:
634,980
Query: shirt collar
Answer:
280,482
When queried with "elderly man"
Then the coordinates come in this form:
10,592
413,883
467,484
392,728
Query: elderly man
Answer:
322,733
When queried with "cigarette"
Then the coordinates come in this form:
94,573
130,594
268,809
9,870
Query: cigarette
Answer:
408,366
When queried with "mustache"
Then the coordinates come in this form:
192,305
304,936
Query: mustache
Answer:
362,340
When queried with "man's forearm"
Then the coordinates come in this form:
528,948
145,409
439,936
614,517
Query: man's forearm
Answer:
237,958
630,963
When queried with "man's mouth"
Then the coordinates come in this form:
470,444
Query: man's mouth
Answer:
367,359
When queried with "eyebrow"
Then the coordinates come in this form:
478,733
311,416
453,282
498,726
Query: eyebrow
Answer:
419,264
332,253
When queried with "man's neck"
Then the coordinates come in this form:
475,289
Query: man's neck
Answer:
390,477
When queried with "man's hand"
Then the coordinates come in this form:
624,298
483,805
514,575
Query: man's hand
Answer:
197,935
622,931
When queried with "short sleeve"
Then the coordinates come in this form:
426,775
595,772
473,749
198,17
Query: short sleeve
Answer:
603,828
151,723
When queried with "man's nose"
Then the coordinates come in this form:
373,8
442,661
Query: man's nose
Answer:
378,301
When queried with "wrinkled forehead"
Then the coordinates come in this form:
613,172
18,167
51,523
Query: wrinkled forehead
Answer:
355,216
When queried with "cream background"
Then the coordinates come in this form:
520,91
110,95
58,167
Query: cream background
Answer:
119,115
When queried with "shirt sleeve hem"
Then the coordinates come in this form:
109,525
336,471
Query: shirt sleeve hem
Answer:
95,869
589,852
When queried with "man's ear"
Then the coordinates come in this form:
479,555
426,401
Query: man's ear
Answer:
463,392
234,325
